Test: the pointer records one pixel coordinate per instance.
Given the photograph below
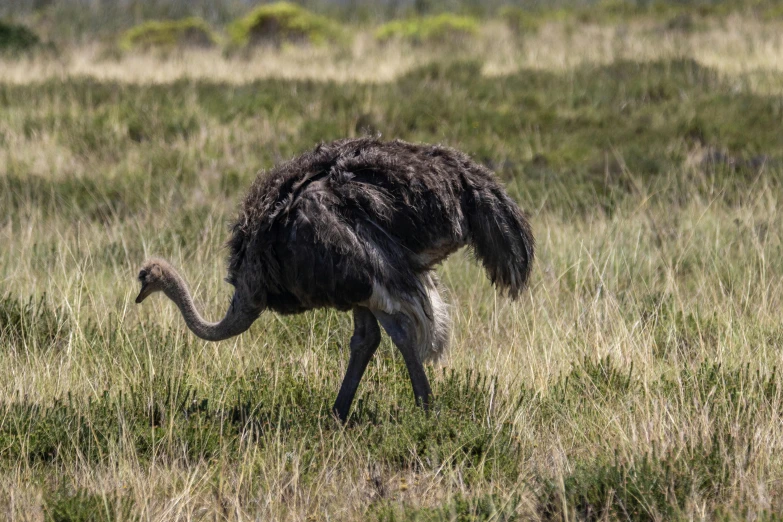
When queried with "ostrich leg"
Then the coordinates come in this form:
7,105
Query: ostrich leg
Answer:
400,329
365,340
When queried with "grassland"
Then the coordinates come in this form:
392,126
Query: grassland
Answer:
637,379
745,48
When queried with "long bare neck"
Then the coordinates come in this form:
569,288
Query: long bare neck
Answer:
237,318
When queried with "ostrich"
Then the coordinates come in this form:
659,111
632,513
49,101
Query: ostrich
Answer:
359,224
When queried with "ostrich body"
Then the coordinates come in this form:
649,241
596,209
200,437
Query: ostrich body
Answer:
359,224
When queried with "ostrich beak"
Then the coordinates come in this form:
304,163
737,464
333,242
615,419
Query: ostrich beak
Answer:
143,294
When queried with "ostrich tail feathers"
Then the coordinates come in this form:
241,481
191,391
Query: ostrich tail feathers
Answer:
501,237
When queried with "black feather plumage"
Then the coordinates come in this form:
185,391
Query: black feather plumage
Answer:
324,228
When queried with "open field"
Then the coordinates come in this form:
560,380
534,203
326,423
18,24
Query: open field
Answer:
637,379
734,45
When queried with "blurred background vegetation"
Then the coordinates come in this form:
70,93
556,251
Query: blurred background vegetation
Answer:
74,21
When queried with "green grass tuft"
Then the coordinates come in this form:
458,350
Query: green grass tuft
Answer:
648,487
67,505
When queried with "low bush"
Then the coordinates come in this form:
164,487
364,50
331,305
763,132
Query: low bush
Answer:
432,29
653,486
168,34
282,22
16,38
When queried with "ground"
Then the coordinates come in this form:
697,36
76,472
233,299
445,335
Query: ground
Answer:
636,379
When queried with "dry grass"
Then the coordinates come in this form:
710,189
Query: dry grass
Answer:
679,278
592,282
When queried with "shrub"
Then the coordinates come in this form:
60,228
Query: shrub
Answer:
282,22
66,505
16,38
167,34
441,28
652,486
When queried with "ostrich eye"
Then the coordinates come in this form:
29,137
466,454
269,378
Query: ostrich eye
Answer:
142,275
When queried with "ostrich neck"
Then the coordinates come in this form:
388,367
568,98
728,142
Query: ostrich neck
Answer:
236,320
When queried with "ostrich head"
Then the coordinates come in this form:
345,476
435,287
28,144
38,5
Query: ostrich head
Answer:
155,276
